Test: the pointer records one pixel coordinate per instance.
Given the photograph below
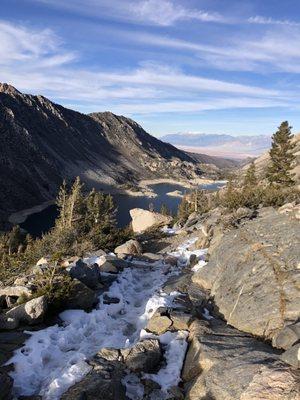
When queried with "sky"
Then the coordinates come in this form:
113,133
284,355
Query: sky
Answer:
207,66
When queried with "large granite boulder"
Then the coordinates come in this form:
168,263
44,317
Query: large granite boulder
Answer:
32,312
144,219
253,274
225,364
132,246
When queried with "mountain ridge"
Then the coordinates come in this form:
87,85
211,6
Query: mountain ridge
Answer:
43,142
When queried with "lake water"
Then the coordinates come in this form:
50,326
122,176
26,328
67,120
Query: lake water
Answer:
42,221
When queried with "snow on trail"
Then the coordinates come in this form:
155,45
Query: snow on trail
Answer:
53,359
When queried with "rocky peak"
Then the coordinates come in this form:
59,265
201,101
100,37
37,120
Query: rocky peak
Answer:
8,89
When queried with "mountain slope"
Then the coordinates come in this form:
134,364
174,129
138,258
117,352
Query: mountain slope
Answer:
261,163
43,142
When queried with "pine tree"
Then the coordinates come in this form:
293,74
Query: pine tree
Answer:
184,209
75,204
62,204
15,239
282,157
250,179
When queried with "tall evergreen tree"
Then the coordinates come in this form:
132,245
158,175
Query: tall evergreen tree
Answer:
62,204
282,157
75,204
250,179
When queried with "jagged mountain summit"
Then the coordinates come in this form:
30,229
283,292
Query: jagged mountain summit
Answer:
43,142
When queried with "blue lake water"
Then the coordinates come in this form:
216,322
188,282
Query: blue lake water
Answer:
38,223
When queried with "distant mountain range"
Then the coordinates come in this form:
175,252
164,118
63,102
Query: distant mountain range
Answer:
220,145
43,143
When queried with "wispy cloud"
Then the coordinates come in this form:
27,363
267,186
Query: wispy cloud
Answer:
258,52
258,19
148,12
24,45
165,12
36,61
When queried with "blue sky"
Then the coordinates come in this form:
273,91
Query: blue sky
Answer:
213,66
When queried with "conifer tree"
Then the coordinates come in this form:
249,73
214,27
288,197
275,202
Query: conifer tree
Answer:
62,204
282,157
75,203
250,179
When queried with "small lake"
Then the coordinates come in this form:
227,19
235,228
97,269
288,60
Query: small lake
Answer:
38,223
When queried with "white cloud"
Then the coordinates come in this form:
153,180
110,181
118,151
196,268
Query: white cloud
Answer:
165,12
273,50
270,21
149,12
36,61
24,45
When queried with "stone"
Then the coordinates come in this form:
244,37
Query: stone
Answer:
89,275
111,264
109,354
171,260
145,356
292,356
158,324
69,261
6,385
15,291
225,364
287,336
103,382
32,312
180,320
143,220
253,276
132,246
81,297
43,261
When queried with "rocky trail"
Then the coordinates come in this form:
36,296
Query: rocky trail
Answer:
160,329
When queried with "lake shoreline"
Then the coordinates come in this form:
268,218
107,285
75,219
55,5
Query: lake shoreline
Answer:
20,217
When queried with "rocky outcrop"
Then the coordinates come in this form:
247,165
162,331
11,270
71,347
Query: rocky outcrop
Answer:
144,219
253,275
223,363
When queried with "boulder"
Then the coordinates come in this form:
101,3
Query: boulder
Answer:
132,246
225,364
287,336
158,324
103,382
292,356
143,220
69,261
15,291
32,312
111,264
89,275
81,297
180,320
145,356
253,274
